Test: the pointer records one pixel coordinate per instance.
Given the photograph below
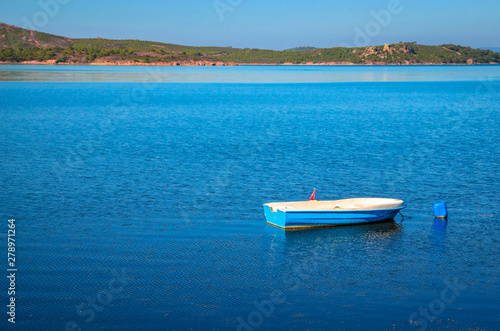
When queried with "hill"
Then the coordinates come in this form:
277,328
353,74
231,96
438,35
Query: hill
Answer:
19,45
12,36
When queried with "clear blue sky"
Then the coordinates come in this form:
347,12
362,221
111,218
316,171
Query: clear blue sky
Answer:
274,24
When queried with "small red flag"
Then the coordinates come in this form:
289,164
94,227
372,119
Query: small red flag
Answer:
313,196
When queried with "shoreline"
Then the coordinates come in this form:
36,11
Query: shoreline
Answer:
233,64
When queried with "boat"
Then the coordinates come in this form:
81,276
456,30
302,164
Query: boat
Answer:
328,213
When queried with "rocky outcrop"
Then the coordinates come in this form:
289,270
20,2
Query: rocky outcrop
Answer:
370,50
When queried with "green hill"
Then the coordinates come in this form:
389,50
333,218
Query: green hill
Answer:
12,36
19,45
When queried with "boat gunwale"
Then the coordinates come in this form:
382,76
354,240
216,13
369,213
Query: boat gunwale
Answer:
388,204
339,210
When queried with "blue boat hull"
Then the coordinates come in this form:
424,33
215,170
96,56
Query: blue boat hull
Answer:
306,219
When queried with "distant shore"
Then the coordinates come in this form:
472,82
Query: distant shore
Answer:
230,64
19,45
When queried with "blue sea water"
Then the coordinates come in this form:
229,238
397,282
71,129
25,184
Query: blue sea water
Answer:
138,201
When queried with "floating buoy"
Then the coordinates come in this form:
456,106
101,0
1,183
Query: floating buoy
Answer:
440,210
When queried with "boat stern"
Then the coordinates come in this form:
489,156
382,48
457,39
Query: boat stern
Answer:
275,216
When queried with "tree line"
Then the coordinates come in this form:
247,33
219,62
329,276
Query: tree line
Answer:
395,53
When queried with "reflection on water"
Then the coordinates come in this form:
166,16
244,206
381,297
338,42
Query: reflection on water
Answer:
375,231
323,244
439,227
439,234
339,233
245,74
332,247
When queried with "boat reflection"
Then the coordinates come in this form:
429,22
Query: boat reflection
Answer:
367,232
353,230
340,257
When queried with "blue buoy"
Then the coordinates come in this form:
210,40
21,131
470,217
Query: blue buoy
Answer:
440,210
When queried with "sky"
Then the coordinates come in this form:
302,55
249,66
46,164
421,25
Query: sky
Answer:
269,24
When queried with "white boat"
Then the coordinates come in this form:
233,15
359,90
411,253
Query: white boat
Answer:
314,213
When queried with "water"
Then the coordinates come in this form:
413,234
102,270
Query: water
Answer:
247,74
139,206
